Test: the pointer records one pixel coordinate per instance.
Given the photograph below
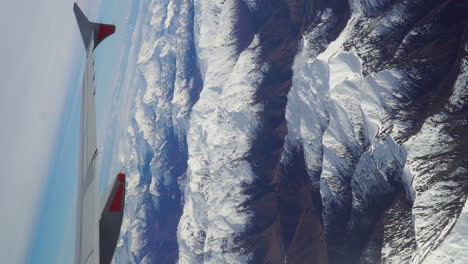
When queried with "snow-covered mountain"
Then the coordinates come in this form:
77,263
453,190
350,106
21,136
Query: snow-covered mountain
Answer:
296,131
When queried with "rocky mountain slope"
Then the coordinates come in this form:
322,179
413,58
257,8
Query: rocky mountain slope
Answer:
297,131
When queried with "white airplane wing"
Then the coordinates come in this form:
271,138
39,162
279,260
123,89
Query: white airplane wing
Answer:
97,231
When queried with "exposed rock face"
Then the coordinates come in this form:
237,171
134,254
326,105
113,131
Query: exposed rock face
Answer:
389,79
296,131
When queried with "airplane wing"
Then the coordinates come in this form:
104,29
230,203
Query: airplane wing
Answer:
96,232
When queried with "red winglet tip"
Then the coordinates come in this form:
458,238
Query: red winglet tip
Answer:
121,177
105,31
116,205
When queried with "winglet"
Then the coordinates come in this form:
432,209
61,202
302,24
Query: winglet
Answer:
90,30
111,220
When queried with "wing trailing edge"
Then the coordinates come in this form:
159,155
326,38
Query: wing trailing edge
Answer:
91,32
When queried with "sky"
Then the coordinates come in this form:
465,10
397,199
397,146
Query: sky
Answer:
41,70
41,66
52,238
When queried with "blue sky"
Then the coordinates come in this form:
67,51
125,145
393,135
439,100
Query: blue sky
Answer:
38,59
53,233
41,68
